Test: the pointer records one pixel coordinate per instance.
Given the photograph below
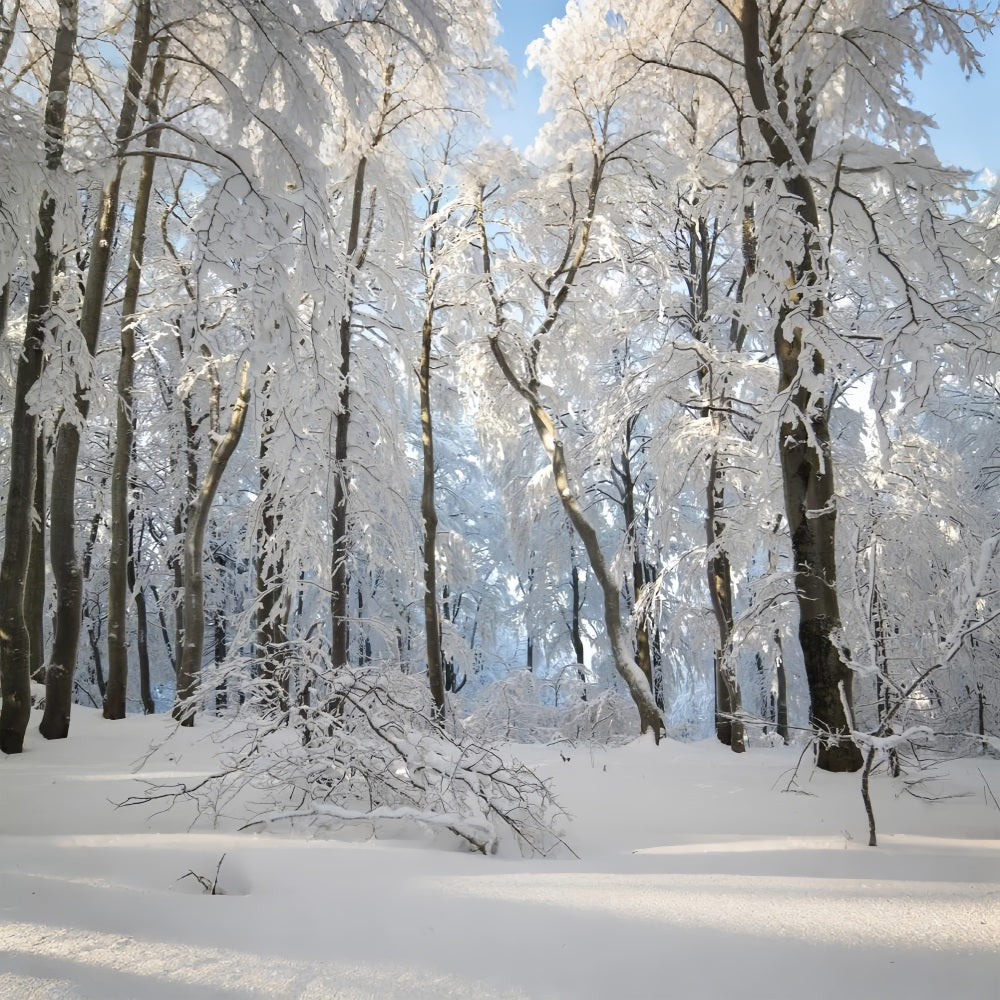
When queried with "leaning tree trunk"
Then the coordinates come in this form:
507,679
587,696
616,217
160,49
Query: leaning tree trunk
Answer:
193,605
804,433
527,388
621,645
15,677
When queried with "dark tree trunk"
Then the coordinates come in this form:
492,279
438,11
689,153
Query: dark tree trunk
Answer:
15,666
781,717
221,651
272,601
804,434
340,576
576,620
119,558
643,651
141,618
428,512
34,591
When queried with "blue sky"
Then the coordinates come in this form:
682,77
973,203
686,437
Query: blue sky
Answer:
967,111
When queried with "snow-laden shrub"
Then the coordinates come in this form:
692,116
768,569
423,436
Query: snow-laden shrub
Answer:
365,754
525,707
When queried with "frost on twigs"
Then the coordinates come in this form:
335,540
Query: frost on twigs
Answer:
365,756
530,708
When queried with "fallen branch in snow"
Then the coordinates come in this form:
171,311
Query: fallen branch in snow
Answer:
370,752
210,885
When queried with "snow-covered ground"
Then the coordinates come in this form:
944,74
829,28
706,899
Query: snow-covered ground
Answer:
698,875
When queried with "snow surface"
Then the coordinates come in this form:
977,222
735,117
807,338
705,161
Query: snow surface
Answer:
698,872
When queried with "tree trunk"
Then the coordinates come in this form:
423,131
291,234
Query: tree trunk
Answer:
428,512
141,619
15,676
804,434
221,652
643,649
340,577
576,620
728,703
729,728
621,645
781,714
34,591
193,605
272,633
650,717
119,559
65,563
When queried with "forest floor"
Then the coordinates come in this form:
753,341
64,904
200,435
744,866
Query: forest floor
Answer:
698,873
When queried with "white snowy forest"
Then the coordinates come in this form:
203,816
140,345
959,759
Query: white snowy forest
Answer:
423,488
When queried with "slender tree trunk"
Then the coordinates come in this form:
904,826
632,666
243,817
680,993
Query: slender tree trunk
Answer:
164,630
428,511
621,645
642,644
193,605
272,633
141,619
804,434
65,562
119,559
781,717
181,521
221,652
728,703
428,507
34,591
650,717
729,728
576,620
15,675
341,583
93,606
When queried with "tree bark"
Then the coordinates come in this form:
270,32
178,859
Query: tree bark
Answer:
578,241
428,512
15,677
340,576
34,591
65,562
272,599
119,558
141,619
728,702
729,729
804,434
643,620
618,638
193,605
